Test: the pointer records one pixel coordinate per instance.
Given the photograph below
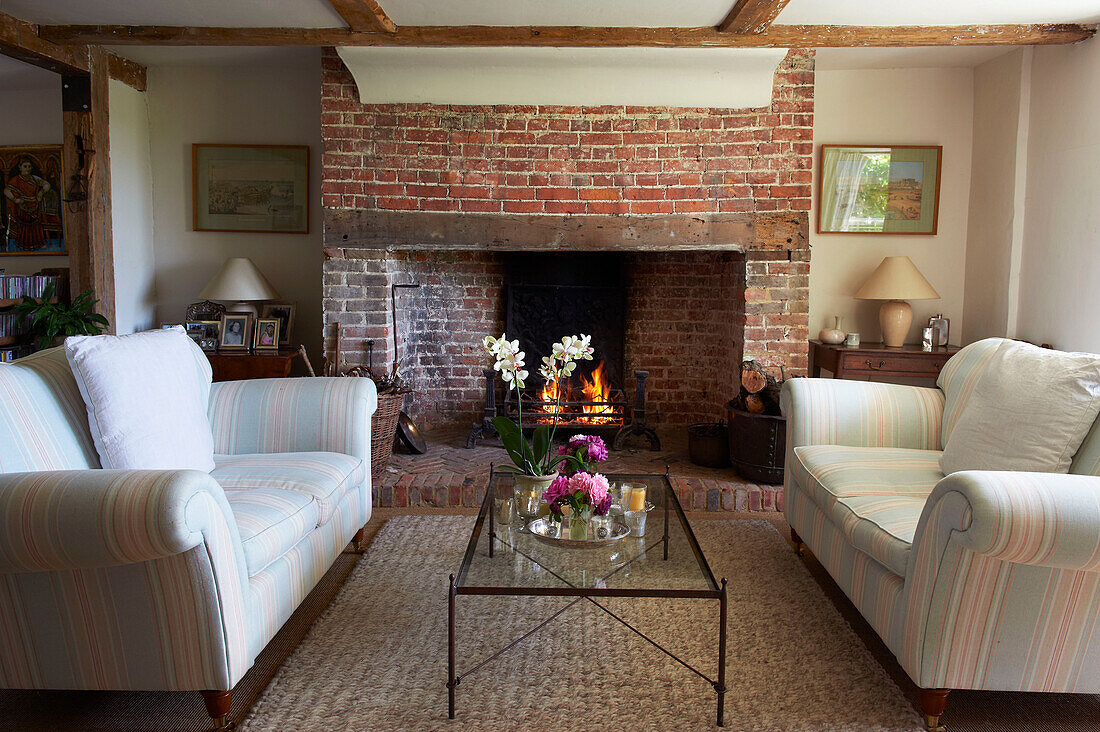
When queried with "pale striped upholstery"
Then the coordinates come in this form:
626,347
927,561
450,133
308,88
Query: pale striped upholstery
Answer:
959,376
165,579
323,476
119,607
873,494
43,421
1003,592
271,522
980,580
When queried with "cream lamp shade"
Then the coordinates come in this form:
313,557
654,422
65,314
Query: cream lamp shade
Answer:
896,280
239,281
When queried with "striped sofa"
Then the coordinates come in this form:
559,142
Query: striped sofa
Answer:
977,580
169,580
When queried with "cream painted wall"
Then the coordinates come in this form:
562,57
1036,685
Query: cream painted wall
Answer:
903,106
995,224
132,209
272,104
1060,269
38,122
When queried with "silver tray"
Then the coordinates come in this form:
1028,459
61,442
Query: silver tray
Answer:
539,528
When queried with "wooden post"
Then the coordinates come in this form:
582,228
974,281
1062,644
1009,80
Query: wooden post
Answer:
88,230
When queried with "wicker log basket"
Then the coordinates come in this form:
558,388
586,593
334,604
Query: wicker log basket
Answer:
383,429
391,397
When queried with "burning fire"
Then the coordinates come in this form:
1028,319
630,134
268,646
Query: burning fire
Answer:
597,391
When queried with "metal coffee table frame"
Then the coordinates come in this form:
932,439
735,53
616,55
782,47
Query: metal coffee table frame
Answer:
714,591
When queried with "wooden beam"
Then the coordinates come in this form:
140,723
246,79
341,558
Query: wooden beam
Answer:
128,72
777,36
20,40
364,15
88,230
751,16
100,233
400,230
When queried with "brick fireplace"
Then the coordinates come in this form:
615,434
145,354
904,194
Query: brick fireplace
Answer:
706,209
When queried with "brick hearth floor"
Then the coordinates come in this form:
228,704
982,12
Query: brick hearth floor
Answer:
449,475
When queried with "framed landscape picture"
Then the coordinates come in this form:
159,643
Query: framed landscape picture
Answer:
258,188
878,189
30,204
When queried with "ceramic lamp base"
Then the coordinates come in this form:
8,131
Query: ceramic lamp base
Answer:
895,317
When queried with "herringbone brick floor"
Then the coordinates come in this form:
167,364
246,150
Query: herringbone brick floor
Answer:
449,475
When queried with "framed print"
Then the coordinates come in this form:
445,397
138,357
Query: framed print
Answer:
209,345
31,207
284,312
259,188
878,189
267,334
235,332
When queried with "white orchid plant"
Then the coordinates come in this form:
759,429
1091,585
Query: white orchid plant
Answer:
534,458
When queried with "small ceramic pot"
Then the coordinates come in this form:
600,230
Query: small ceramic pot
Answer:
833,336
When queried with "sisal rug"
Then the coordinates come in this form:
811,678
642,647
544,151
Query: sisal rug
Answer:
376,658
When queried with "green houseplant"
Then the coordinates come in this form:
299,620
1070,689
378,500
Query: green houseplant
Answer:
50,320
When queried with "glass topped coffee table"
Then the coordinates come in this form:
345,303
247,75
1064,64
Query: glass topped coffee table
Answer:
665,562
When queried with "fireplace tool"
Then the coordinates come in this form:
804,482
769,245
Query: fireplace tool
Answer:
407,431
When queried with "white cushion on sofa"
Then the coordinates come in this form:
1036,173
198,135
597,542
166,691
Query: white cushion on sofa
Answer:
1030,410
146,399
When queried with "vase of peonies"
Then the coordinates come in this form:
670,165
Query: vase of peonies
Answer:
586,495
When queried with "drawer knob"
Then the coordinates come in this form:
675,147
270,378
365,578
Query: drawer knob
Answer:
870,365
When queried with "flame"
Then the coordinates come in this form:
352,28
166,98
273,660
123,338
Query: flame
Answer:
597,390
549,396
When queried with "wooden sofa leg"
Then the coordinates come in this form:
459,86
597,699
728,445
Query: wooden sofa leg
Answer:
217,706
932,702
799,546
357,540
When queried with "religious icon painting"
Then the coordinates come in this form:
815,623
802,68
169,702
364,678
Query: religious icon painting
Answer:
31,205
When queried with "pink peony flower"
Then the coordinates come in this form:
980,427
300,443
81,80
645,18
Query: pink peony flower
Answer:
558,489
594,488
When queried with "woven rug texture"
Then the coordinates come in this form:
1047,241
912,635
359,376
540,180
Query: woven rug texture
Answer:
377,656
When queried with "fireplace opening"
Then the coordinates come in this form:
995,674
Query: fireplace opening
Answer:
549,296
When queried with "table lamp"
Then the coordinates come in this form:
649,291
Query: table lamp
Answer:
239,282
896,280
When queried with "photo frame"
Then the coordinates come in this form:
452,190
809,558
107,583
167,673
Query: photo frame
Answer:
236,331
199,329
266,334
208,345
257,188
879,189
31,200
284,312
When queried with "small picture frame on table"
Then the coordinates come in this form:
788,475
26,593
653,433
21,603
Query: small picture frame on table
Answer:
236,331
166,326
284,311
208,345
266,336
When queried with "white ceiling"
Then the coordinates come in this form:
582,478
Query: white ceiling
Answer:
319,14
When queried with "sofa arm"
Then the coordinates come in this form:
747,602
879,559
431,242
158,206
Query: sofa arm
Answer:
83,519
1047,519
861,414
320,414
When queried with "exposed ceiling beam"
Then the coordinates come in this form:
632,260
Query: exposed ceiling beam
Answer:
128,72
777,36
364,15
752,16
20,40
